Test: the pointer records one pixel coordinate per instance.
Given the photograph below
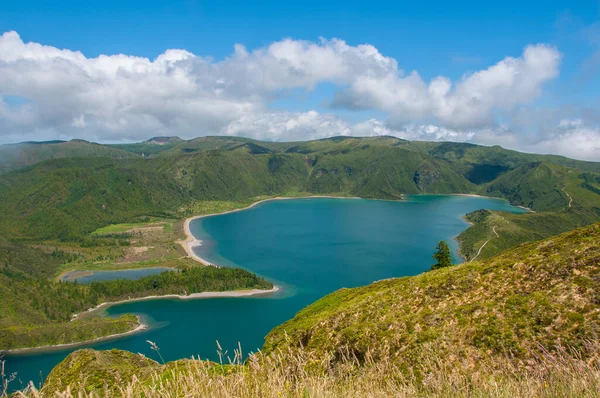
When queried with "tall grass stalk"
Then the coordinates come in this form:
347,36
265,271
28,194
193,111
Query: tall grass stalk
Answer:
561,373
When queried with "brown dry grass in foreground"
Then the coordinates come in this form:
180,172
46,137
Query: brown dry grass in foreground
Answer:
561,373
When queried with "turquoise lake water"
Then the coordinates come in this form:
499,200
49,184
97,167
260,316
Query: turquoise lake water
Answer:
130,274
310,247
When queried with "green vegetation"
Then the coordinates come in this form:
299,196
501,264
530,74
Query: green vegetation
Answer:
150,147
37,311
14,156
531,298
524,323
79,206
66,332
125,227
67,199
442,256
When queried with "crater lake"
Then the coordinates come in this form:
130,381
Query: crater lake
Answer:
309,247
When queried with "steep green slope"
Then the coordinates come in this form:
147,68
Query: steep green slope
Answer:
482,164
382,172
564,199
233,175
13,156
65,198
524,323
537,186
68,198
505,230
538,295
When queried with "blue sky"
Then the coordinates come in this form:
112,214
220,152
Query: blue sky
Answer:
434,38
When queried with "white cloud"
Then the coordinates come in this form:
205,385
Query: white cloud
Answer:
468,103
123,98
287,126
572,138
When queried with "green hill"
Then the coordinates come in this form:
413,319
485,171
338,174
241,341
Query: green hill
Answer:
540,293
524,323
67,198
70,197
13,156
150,147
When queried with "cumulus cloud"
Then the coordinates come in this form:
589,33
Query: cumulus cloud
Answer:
64,94
468,103
121,96
571,138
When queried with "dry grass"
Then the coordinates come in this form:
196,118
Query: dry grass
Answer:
563,373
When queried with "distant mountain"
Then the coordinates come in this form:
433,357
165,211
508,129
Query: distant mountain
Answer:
163,140
13,156
82,186
150,147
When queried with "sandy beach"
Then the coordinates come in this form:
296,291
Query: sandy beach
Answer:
190,242
193,296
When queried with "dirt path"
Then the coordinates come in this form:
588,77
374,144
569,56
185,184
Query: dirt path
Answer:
486,242
570,198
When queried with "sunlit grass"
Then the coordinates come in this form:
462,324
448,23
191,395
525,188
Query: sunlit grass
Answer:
560,373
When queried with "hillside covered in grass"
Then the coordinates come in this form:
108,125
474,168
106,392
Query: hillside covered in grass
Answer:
77,205
523,323
68,198
14,156
541,293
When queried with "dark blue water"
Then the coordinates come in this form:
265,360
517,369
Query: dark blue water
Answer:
311,247
130,274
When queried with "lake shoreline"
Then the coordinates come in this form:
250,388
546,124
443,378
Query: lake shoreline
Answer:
472,195
141,326
190,242
193,296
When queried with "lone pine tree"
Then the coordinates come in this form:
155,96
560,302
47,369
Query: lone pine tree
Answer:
442,256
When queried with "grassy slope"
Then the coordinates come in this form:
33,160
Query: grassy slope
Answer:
150,147
58,203
13,156
473,330
544,187
67,198
541,293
